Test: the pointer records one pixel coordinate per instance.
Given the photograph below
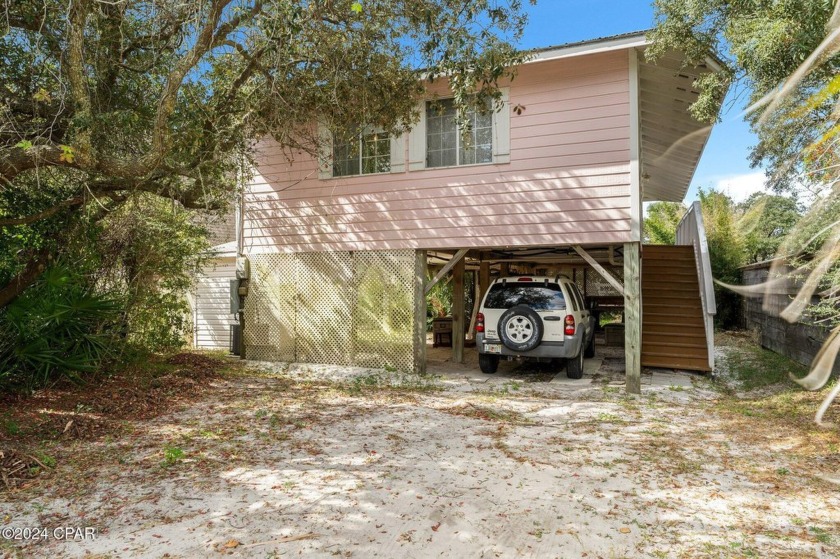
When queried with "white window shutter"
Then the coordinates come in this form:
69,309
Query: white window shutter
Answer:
325,152
501,129
398,153
417,142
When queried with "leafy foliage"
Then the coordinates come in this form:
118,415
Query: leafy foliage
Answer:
725,252
660,223
59,327
764,223
150,251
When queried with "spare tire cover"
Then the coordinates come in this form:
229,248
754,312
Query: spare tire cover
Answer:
520,328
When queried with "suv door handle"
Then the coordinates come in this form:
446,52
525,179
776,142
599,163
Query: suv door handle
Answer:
552,318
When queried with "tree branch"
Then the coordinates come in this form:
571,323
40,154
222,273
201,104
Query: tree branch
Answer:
34,268
18,160
76,201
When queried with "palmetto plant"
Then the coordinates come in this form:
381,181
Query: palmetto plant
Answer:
60,327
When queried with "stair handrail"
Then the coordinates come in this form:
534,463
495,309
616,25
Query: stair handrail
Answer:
691,231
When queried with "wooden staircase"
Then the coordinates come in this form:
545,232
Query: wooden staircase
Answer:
673,331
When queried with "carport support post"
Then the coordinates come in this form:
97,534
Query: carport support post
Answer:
420,312
632,318
483,280
458,312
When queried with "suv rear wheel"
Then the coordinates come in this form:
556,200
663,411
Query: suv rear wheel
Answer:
489,364
590,347
574,366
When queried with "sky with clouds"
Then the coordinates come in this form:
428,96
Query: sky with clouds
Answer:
725,164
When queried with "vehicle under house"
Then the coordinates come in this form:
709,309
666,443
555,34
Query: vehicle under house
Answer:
337,253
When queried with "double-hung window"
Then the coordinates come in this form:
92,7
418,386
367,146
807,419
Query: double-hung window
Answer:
364,153
447,145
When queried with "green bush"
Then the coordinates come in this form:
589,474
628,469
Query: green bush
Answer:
725,252
58,328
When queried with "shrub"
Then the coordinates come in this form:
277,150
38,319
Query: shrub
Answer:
58,328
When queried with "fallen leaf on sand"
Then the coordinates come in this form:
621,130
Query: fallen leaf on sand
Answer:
231,544
435,527
625,530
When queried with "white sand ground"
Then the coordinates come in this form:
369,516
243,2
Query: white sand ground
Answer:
311,461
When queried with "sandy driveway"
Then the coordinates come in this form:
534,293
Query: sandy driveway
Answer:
328,462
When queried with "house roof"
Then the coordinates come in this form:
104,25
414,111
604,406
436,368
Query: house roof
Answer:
671,140
224,250
590,46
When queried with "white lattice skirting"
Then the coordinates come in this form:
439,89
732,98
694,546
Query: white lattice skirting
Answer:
332,307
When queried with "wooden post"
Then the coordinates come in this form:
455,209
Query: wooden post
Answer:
476,304
504,269
458,312
633,318
483,280
420,311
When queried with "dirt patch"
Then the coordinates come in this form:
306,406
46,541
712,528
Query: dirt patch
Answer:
297,461
32,426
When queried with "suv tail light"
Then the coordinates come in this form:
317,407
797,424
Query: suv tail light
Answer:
479,322
569,330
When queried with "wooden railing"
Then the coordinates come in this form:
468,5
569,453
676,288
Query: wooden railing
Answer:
692,231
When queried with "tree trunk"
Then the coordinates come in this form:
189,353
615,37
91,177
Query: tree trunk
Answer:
33,270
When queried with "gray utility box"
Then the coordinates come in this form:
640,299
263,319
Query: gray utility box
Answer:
234,296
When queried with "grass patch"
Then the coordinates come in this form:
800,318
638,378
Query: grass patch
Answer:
379,381
750,366
172,455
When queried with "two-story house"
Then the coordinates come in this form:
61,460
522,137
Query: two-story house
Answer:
340,246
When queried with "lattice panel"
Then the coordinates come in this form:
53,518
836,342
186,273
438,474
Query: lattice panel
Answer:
588,280
270,308
384,309
324,307
596,285
339,307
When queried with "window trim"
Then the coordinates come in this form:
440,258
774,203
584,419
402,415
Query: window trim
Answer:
326,143
417,152
458,140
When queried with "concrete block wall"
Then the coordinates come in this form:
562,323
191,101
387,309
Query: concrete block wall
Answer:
800,341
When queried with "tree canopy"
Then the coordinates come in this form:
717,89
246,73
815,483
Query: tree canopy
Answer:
765,220
102,102
761,46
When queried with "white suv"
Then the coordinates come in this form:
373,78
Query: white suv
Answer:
535,317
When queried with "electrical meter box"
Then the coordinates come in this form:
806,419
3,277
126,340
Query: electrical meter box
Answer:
243,268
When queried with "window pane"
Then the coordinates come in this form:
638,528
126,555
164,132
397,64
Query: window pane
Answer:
441,133
539,297
345,158
376,153
446,145
467,156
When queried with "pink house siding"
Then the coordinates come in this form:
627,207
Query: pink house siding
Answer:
568,180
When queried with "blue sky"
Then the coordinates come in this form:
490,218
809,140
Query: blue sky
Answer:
725,163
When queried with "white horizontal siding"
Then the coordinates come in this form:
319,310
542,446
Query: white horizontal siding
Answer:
212,317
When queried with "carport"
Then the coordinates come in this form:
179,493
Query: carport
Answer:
605,274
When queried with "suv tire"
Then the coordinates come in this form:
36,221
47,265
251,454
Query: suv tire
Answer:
488,364
520,328
590,347
574,366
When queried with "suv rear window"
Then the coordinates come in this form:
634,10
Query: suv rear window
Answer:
538,296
